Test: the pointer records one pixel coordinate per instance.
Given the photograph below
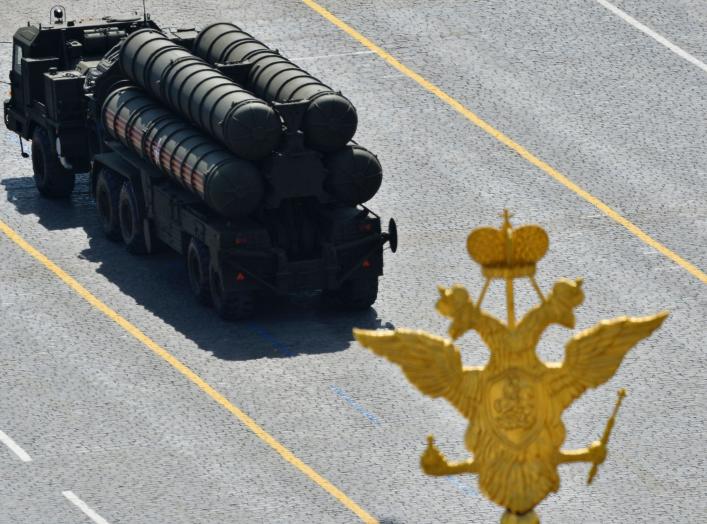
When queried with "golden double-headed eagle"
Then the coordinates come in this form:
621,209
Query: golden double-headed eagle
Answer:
514,404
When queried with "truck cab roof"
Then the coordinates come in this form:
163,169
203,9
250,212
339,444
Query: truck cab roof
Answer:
30,33
87,40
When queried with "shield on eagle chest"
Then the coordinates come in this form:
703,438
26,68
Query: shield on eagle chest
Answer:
515,406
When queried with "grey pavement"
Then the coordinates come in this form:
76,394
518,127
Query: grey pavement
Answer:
610,108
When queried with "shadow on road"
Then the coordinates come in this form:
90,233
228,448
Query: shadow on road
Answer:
53,214
283,327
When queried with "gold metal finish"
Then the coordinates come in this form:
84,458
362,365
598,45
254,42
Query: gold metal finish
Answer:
607,432
514,404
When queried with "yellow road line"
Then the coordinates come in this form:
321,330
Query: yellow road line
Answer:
188,373
505,140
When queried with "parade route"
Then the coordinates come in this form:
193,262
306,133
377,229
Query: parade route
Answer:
123,400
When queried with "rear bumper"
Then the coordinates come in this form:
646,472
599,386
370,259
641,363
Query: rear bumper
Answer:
272,271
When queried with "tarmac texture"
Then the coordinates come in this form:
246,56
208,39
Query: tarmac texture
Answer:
100,414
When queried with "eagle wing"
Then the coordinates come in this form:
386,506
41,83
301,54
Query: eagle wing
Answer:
433,364
593,356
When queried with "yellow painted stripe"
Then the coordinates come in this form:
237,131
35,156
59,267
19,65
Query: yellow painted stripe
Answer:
188,373
505,140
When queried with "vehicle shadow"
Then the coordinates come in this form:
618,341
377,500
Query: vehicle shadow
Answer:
53,214
282,327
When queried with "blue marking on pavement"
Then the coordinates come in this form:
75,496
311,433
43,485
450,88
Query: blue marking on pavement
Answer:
358,407
286,351
467,490
276,344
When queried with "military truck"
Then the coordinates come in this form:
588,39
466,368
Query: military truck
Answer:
262,195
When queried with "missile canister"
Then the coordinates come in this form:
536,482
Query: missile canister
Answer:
247,126
229,185
354,174
330,121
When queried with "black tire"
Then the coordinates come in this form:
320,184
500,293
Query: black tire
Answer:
197,258
50,177
108,185
356,294
229,305
131,220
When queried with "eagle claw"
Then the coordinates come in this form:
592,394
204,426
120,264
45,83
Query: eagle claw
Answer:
432,460
597,452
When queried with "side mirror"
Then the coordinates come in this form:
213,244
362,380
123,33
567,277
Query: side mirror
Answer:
393,235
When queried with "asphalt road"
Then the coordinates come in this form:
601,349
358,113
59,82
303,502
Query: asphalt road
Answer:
613,110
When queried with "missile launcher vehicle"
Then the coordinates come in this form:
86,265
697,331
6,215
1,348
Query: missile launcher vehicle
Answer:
208,143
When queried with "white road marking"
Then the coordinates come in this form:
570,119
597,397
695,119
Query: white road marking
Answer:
95,517
655,36
14,447
332,56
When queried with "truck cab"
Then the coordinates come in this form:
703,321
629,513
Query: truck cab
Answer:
47,102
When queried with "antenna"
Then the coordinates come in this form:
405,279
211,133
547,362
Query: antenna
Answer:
144,12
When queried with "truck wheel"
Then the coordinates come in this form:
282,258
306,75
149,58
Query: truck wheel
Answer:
131,220
50,177
108,185
355,294
229,305
198,269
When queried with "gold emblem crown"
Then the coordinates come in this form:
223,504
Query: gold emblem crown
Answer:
508,252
